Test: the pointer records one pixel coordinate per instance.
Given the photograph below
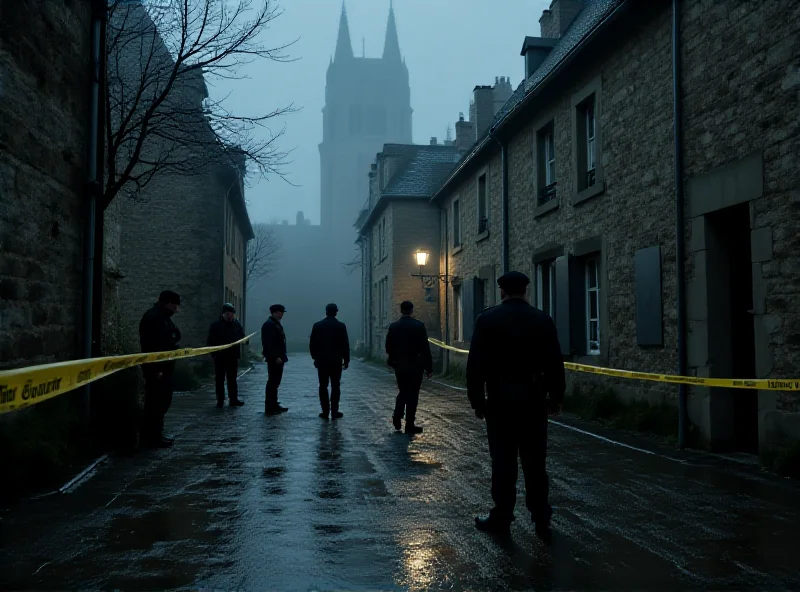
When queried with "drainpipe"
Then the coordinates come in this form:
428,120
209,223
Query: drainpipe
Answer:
446,289
504,199
679,221
94,186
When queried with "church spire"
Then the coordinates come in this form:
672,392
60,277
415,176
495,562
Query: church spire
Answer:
344,48
391,48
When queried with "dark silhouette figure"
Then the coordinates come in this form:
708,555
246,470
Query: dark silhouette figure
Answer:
330,349
514,363
227,329
273,342
410,355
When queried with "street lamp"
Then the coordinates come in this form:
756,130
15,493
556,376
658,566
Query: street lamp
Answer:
428,280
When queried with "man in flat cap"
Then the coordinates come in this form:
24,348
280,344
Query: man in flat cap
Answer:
273,342
409,353
515,379
157,333
330,350
227,329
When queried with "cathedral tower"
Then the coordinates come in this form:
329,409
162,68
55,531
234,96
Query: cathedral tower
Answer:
367,104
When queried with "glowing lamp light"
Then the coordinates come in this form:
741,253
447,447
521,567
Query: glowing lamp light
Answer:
422,258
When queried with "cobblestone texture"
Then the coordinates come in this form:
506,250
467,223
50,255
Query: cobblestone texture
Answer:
298,503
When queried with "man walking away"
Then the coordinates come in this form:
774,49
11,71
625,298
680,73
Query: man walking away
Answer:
514,363
273,342
158,333
227,329
410,355
330,349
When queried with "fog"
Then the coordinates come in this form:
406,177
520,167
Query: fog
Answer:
447,46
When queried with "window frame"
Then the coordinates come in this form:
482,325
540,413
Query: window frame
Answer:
547,266
587,139
458,314
593,346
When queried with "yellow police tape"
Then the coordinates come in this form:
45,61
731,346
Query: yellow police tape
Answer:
27,386
765,384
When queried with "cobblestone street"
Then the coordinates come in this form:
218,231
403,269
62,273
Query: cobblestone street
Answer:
294,502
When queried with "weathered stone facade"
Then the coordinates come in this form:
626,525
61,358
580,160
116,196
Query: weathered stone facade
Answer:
44,128
398,222
591,200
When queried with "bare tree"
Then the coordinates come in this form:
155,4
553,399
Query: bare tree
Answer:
261,253
351,266
158,115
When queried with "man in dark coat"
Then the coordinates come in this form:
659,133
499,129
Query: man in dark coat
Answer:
226,329
330,350
409,353
273,342
515,379
157,333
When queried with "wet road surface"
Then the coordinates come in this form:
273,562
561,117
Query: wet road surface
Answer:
294,502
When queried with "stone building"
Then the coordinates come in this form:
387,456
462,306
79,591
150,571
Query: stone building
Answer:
583,160
44,128
398,222
187,228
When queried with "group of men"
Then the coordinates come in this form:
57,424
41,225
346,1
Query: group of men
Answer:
515,380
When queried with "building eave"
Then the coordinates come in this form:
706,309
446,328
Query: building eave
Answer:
520,109
380,205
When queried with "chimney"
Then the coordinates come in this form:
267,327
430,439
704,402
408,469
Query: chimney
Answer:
434,141
481,110
501,92
535,50
557,20
465,134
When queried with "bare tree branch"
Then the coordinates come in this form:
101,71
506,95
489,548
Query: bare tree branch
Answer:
159,117
261,253
351,266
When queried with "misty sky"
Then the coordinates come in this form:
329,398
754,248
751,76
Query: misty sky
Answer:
449,46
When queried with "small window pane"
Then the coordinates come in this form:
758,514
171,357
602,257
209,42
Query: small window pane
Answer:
593,305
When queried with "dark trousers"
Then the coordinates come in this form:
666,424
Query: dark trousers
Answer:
518,430
408,385
333,374
157,401
225,369
275,372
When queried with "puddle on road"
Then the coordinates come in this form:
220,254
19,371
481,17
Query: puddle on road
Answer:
273,472
276,490
176,524
374,488
329,529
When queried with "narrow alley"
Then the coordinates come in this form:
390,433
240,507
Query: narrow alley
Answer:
294,502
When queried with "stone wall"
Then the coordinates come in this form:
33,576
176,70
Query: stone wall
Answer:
44,117
382,272
741,88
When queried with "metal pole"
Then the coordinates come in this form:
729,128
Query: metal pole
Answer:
680,279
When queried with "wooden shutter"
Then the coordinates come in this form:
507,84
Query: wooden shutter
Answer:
563,303
468,311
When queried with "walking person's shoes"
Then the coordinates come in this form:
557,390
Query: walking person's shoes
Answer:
413,429
168,437
275,410
544,533
236,403
492,525
337,415
396,422
324,415
220,404
157,443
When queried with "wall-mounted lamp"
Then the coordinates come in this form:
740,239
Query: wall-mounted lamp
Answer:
427,280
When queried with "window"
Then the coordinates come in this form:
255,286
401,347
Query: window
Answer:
546,150
483,205
545,287
383,239
592,306
456,223
458,318
385,283
587,142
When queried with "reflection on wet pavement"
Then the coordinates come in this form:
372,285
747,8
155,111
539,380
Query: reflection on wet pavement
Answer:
294,502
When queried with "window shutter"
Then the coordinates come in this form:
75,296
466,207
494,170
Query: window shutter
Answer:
649,312
468,302
563,303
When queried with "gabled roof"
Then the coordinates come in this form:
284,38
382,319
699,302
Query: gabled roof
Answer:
418,171
591,18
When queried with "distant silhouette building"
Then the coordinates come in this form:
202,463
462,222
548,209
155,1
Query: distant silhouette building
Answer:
367,105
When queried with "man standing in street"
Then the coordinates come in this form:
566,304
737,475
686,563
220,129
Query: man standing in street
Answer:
330,350
227,329
273,342
158,333
514,363
410,355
